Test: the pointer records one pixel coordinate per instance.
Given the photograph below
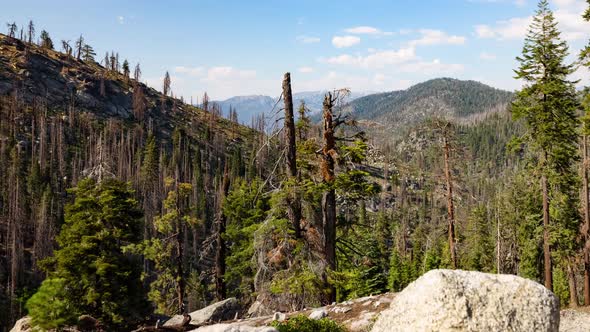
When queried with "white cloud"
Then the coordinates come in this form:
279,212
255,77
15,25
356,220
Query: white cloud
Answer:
308,39
434,67
335,80
519,3
226,73
367,30
487,56
121,19
306,70
514,28
568,14
345,41
377,59
193,71
436,37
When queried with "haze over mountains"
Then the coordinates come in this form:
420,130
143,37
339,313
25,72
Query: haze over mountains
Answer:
249,106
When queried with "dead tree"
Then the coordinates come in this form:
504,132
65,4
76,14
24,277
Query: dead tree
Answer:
328,156
586,224
166,85
220,249
445,130
294,201
31,31
79,46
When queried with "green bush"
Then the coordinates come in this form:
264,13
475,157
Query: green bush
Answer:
301,323
49,307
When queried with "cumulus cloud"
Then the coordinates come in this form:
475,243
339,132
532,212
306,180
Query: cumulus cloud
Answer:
567,13
308,39
367,30
225,73
434,67
376,59
436,37
193,71
345,41
514,28
121,19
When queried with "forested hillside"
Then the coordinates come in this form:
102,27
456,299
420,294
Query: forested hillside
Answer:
64,117
126,204
395,111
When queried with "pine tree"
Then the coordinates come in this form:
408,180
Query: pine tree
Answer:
126,69
100,279
548,105
88,53
46,41
585,59
168,288
12,27
166,85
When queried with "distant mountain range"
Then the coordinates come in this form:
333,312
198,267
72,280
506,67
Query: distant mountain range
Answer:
249,106
390,113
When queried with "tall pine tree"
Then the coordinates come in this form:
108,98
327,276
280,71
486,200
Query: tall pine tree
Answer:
548,106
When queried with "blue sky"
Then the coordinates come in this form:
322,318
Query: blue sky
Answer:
230,48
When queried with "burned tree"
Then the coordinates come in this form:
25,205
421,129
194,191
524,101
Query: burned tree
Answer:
166,85
294,201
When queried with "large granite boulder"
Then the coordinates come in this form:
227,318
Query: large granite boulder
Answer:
452,300
217,312
22,325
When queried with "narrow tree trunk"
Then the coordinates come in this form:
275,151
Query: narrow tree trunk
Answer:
546,246
291,156
180,286
498,244
586,228
450,206
329,196
571,277
220,287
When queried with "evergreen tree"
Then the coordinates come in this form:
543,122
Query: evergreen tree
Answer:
88,53
126,69
548,105
168,288
46,41
99,278
245,209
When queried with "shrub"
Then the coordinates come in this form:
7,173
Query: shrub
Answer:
301,323
49,307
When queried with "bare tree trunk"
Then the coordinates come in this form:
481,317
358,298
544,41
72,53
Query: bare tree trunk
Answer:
291,156
329,196
180,286
220,289
586,227
571,277
450,206
546,246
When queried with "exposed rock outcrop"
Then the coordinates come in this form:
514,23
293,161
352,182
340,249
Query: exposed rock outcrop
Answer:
22,325
217,312
575,320
447,300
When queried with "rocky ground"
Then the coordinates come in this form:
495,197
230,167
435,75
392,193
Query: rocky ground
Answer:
441,300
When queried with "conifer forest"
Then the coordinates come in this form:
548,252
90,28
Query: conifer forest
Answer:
127,201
